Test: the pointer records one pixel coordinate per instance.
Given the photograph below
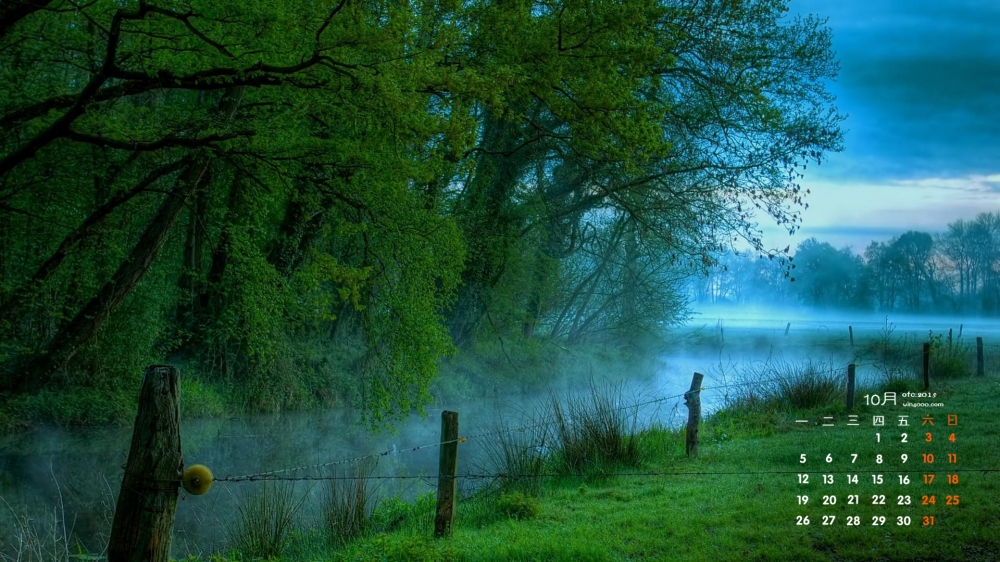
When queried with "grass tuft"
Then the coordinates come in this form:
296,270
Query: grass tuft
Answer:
264,521
518,455
348,504
596,431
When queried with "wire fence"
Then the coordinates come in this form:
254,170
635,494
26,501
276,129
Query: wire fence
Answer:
546,421
287,473
573,414
588,475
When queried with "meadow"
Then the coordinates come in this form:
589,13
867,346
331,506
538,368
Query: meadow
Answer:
591,475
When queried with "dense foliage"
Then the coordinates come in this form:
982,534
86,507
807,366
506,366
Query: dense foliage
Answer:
317,201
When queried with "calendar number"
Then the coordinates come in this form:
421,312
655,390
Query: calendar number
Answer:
801,519
854,520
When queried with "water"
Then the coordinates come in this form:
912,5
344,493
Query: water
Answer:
83,466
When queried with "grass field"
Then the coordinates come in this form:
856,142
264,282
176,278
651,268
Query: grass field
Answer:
629,492
740,499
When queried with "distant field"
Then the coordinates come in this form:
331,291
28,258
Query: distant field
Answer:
721,343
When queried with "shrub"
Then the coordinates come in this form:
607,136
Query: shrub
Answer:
518,505
390,514
948,359
892,356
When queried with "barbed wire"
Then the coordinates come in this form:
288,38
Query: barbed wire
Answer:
592,475
548,420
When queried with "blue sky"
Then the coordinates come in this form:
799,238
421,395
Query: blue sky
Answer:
920,83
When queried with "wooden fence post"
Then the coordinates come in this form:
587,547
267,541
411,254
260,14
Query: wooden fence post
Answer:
960,330
787,327
927,365
447,469
144,516
692,398
850,386
949,337
850,332
980,370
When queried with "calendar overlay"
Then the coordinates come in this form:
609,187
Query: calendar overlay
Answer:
905,469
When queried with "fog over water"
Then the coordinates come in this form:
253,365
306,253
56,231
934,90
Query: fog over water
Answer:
720,342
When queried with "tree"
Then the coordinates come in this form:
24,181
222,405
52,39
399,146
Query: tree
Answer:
914,251
826,276
971,254
242,187
736,98
121,117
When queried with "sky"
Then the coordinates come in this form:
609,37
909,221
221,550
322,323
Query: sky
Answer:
920,85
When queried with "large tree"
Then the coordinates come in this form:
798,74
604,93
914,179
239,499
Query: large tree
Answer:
244,186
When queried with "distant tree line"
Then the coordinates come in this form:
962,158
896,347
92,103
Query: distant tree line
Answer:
299,198
956,271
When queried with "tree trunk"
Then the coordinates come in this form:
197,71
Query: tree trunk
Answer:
299,228
194,244
93,315
26,291
489,222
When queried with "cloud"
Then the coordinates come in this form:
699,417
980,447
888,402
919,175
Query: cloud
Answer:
972,184
853,213
920,82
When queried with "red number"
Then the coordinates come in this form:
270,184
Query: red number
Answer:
951,500
928,479
953,479
928,500
928,520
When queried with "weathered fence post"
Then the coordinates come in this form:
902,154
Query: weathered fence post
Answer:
850,332
949,337
447,470
980,370
960,330
787,327
144,516
850,386
692,398
927,365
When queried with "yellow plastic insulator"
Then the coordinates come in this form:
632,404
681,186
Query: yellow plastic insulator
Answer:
198,479
461,439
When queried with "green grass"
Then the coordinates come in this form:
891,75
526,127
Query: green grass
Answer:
264,521
738,500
